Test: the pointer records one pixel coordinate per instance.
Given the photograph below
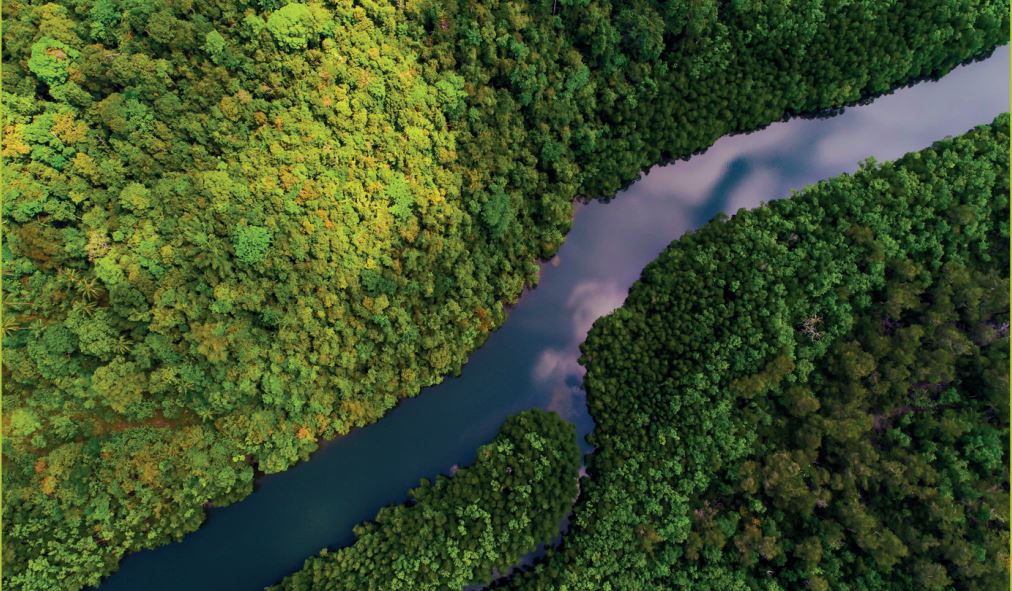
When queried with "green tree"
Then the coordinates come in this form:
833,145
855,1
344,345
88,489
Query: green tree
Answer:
51,60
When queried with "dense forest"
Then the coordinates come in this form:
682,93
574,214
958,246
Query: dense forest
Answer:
813,394
232,228
462,530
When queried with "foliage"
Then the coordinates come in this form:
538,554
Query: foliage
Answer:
462,530
813,394
294,24
251,243
264,224
51,60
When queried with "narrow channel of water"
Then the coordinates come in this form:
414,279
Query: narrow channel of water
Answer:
532,360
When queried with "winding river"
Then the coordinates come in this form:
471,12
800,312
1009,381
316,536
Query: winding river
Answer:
532,360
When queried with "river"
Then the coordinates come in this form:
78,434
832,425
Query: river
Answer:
532,360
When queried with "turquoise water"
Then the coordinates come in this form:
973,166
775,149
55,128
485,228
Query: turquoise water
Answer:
531,361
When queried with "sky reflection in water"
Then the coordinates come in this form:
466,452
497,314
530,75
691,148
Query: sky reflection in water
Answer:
742,172
532,360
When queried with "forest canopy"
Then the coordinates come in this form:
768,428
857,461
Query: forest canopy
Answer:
462,530
812,394
232,228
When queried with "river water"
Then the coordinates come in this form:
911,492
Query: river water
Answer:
532,360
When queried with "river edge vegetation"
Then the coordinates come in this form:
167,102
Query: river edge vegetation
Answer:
233,228
462,530
848,428
812,394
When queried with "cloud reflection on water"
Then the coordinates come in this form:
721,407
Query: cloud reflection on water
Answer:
616,240
531,361
692,182
755,189
558,369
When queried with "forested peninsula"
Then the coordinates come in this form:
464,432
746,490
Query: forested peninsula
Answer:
234,228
